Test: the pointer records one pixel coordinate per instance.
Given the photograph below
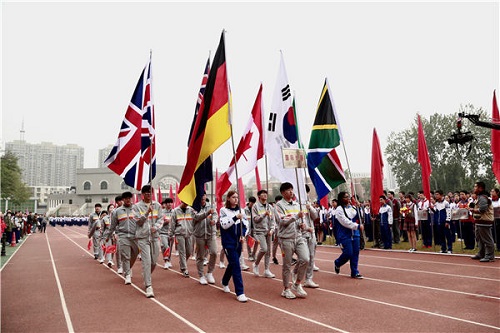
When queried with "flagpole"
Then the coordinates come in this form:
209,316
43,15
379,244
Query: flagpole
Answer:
230,109
152,122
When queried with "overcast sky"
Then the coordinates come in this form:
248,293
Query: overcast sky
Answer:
69,69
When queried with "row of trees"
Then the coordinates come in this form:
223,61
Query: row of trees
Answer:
452,168
11,184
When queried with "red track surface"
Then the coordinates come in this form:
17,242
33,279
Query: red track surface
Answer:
53,284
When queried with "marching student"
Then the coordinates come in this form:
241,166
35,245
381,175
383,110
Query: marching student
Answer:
149,215
181,226
205,232
118,203
348,235
94,232
263,228
165,239
106,224
310,217
234,226
291,241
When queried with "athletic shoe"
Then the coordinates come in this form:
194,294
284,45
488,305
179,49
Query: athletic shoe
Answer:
167,265
96,256
193,257
176,253
411,250
268,274
119,270
255,269
203,280
226,289
139,257
275,261
149,292
242,298
205,262
357,276
210,278
310,284
486,260
101,261
251,258
244,267
221,265
337,268
294,261
297,287
476,257
110,264
185,273
128,279
315,268
449,252
287,293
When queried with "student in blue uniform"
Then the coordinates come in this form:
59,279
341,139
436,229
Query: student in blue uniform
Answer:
385,217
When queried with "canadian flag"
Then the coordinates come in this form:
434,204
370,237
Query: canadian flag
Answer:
249,151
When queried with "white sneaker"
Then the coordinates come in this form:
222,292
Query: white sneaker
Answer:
287,293
255,269
119,270
221,265
101,261
210,278
176,253
268,274
226,289
315,268
110,263
203,280
205,262
242,298
299,290
128,279
193,258
166,265
149,292
244,268
310,284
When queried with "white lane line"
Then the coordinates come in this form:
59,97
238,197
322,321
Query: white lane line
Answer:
159,265
18,245
419,261
163,306
69,324
419,286
397,306
419,271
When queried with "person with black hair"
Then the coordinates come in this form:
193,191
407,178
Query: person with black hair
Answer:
233,230
291,241
204,233
263,228
94,232
165,239
348,234
482,211
495,200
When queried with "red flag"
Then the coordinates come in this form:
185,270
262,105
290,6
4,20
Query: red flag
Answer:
160,195
250,241
250,148
324,201
495,139
218,200
153,194
377,174
257,178
110,249
171,193
424,161
241,192
177,199
166,253
89,244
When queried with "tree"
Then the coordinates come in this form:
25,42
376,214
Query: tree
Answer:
452,168
11,183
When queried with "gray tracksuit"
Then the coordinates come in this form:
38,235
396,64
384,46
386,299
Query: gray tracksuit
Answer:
181,226
263,225
205,231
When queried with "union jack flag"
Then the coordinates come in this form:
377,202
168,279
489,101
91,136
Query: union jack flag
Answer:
133,156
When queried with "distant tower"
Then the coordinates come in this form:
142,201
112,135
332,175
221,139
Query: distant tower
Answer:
22,131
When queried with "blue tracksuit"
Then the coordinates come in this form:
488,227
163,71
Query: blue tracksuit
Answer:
385,216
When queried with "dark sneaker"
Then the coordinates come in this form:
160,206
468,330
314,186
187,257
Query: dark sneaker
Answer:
337,269
275,261
486,260
357,276
476,257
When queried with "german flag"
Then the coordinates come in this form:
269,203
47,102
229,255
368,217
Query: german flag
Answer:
212,126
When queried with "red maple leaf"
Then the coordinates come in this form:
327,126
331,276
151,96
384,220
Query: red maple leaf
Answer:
243,146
